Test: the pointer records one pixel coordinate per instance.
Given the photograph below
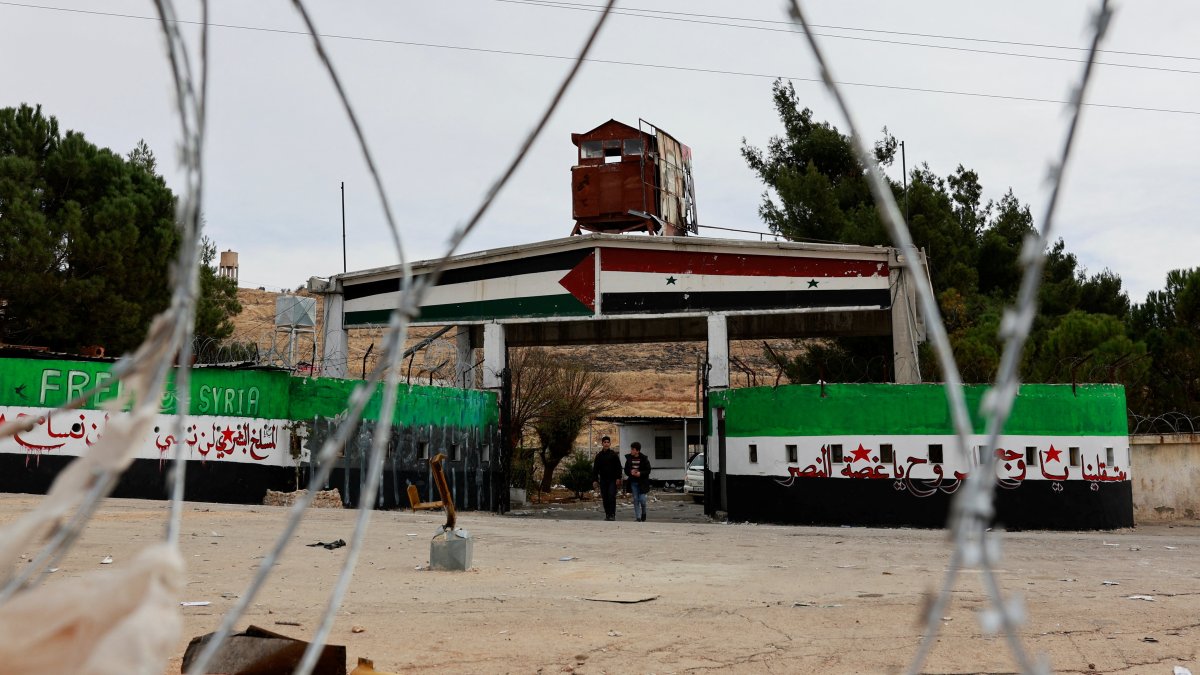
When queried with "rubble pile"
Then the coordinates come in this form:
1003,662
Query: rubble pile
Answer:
325,499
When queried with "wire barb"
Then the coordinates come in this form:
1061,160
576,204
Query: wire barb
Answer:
973,508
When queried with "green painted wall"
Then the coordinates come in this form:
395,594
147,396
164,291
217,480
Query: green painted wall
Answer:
415,405
214,391
268,394
1093,409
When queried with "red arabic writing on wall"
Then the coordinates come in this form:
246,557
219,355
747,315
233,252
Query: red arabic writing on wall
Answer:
71,433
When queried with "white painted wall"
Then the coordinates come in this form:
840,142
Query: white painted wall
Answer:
206,438
772,460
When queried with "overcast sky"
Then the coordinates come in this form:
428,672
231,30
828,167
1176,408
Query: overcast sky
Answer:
444,118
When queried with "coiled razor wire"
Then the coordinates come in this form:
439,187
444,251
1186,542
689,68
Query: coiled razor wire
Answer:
973,508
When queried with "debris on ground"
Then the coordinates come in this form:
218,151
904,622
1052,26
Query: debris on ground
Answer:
329,544
367,667
259,651
623,597
1148,598
324,499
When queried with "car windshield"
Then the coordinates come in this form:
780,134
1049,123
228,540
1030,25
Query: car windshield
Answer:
697,462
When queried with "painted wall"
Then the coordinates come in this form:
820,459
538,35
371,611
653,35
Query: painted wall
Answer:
247,431
1166,476
862,453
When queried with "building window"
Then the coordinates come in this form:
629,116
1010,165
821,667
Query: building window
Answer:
792,455
753,454
885,453
485,453
452,454
935,453
662,447
1109,459
1031,456
612,151
835,453
591,150
423,449
985,454
1073,456
633,146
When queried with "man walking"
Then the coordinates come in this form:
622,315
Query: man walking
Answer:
637,467
606,471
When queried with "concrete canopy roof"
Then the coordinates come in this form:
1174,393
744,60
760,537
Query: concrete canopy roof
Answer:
604,288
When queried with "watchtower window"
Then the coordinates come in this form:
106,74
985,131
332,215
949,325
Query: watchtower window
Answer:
634,146
591,150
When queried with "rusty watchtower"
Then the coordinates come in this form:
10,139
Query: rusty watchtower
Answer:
629,180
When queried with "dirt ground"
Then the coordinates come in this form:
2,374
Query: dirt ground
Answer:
735,598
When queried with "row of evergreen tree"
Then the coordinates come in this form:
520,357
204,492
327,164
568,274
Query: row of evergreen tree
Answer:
87,238
86,242
1086,329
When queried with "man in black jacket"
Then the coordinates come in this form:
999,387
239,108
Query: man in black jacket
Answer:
606,471
637,467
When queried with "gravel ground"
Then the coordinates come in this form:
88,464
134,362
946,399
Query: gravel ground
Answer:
722,597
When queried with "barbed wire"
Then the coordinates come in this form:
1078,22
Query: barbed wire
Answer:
1166,423
387,367
973,508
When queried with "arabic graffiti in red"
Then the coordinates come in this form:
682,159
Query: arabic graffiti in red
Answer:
71,433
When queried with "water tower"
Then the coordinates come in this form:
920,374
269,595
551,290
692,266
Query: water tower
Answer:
229,265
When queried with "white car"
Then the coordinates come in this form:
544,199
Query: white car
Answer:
693,479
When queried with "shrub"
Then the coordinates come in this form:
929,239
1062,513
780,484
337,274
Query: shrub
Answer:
577,473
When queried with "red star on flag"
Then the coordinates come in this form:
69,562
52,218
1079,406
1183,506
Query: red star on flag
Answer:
1052,454
861,453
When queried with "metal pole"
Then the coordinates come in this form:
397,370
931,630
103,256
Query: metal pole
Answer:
685,449
344,227
904,173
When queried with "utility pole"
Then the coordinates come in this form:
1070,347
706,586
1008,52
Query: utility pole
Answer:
344,224
904,172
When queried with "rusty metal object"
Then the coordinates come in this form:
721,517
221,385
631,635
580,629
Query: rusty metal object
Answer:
258,651
451,549
439,479
414,500
629,179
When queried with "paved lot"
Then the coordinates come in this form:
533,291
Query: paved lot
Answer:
730,598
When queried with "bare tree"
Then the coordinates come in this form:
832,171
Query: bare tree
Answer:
578,394
533,374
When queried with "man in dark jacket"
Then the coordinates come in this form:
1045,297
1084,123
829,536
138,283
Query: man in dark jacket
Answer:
637,467
606,472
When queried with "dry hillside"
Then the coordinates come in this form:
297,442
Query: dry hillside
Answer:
654,378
